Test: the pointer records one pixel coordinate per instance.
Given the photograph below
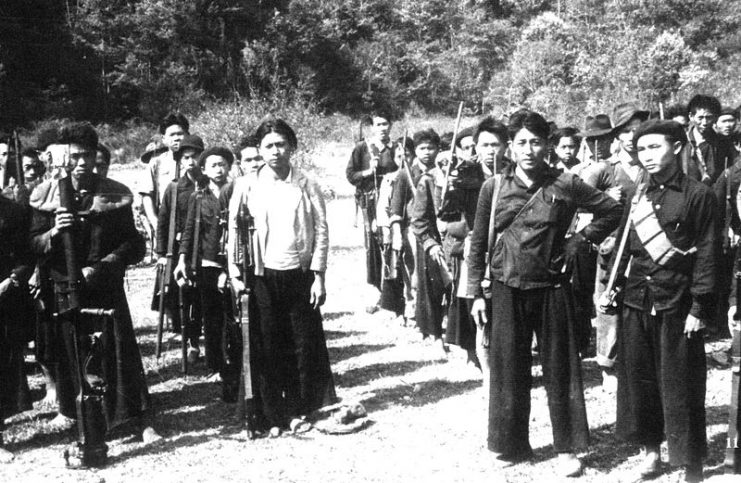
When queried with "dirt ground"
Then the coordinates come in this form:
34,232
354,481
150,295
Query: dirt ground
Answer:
428,412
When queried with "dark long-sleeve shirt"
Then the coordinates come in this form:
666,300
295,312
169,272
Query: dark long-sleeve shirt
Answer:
185,187
402,195
424,212
210,230
360,161
528,252
687,212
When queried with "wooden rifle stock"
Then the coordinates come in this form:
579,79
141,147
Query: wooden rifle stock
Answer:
166,273
245,404
732,460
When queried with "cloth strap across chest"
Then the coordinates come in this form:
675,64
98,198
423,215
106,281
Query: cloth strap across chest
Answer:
655,241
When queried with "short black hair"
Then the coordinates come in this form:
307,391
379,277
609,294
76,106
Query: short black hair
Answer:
246,141
29,153
81,133
490,125
532,121
675,110
671,129
407,142
565,132
701,101
278,126
174,119
446,140
216,151
46,138
102,149
426,136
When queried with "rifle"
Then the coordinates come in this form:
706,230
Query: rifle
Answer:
164,273
91,426
19,178
732,460
245,399
452,156
728,214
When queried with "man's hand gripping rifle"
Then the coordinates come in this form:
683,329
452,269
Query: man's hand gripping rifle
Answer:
90,450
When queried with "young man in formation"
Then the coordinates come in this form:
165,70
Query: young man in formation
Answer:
104,241
701,157
189,149
521,221
430,265
282,212
202,257
670,258
370,160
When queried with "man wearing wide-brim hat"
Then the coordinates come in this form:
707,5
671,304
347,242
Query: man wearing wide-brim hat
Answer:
597,135
627,172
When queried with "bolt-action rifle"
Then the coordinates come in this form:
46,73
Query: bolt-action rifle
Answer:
728,213
732,460
164,274
90,450
245,398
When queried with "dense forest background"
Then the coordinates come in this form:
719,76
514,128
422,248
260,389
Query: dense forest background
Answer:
116,60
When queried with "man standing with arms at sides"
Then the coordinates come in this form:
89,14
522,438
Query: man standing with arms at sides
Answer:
700,157
162,167
530,292
369,161
668,298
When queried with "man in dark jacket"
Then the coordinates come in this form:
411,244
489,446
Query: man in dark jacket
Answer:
15,269
670,258
186,158
529,270
106,242
370,160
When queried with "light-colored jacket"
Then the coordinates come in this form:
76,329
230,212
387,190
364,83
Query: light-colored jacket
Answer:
312,237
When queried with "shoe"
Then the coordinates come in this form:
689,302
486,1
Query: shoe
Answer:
193,354
569,466
372,309
274,432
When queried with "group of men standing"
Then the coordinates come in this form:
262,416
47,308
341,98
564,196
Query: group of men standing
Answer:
526,229
65,247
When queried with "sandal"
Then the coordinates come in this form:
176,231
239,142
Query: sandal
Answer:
299,426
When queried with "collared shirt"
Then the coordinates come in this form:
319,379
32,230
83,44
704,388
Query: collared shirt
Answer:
687,212
160,172
281,251
529,250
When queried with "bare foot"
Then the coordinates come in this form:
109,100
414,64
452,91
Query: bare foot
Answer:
61,423
149,435
6,456
50,400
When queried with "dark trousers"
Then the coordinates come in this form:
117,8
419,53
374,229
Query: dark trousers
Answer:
661,383
296,378
516,315
212,309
